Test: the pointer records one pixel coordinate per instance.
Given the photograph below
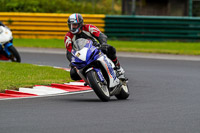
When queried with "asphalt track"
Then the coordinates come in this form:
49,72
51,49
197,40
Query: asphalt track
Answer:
164,98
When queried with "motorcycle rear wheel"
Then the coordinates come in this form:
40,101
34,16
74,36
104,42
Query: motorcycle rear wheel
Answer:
99,88
124,93
15,57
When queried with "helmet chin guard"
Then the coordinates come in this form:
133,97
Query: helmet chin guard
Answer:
76,31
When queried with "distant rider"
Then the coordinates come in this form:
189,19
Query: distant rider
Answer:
88,31
1,24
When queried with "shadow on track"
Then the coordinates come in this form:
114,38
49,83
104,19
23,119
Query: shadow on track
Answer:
91,100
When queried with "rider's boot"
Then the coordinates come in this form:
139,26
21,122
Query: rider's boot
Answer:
119,69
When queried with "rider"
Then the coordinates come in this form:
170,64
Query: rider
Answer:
1,24
1,50
88,31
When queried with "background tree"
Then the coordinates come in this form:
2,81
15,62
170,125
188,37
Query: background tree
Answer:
62,6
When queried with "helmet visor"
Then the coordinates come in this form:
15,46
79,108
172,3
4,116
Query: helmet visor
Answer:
74,27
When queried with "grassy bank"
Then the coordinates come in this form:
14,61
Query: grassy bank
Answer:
186,48
15,75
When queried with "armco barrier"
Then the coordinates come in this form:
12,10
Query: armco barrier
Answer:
50,25
44,25
153,28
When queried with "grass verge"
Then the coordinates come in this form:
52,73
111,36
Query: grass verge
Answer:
185,48
15,75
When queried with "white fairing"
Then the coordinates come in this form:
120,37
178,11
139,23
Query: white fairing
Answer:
113,80
5,35
82,54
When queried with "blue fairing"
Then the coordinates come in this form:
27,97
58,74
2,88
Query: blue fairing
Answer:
1,47
6,46
92,55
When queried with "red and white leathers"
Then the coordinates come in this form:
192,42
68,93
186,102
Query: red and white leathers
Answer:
91,32
88,32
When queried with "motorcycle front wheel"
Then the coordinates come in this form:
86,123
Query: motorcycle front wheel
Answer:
99,88
14,57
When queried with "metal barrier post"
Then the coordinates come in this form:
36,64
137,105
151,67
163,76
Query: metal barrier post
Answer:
190,7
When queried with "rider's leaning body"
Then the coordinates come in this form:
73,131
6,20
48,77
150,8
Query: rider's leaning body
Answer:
88,31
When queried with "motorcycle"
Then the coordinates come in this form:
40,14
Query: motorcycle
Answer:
98,71
7,50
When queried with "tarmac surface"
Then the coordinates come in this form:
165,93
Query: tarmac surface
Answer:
164,98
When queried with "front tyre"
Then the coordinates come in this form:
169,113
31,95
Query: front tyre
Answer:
15,57
99,88
124,93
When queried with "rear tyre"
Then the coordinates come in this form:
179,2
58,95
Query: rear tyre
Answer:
124,93
99,88
15,57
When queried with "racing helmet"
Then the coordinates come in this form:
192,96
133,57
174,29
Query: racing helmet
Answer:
75,19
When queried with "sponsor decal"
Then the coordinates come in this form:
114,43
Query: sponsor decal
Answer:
109,69
100,76
78,54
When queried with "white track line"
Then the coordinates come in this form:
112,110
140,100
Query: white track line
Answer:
119,54
160,56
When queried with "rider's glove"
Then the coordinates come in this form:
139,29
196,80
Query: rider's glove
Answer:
96,44
104,48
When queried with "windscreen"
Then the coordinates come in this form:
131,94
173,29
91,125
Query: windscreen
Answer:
79,44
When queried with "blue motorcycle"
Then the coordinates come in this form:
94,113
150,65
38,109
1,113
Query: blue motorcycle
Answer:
7,50
97,70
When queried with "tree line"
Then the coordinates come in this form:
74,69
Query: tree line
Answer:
62,6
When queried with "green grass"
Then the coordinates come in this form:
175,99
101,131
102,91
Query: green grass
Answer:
186,48
15,75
